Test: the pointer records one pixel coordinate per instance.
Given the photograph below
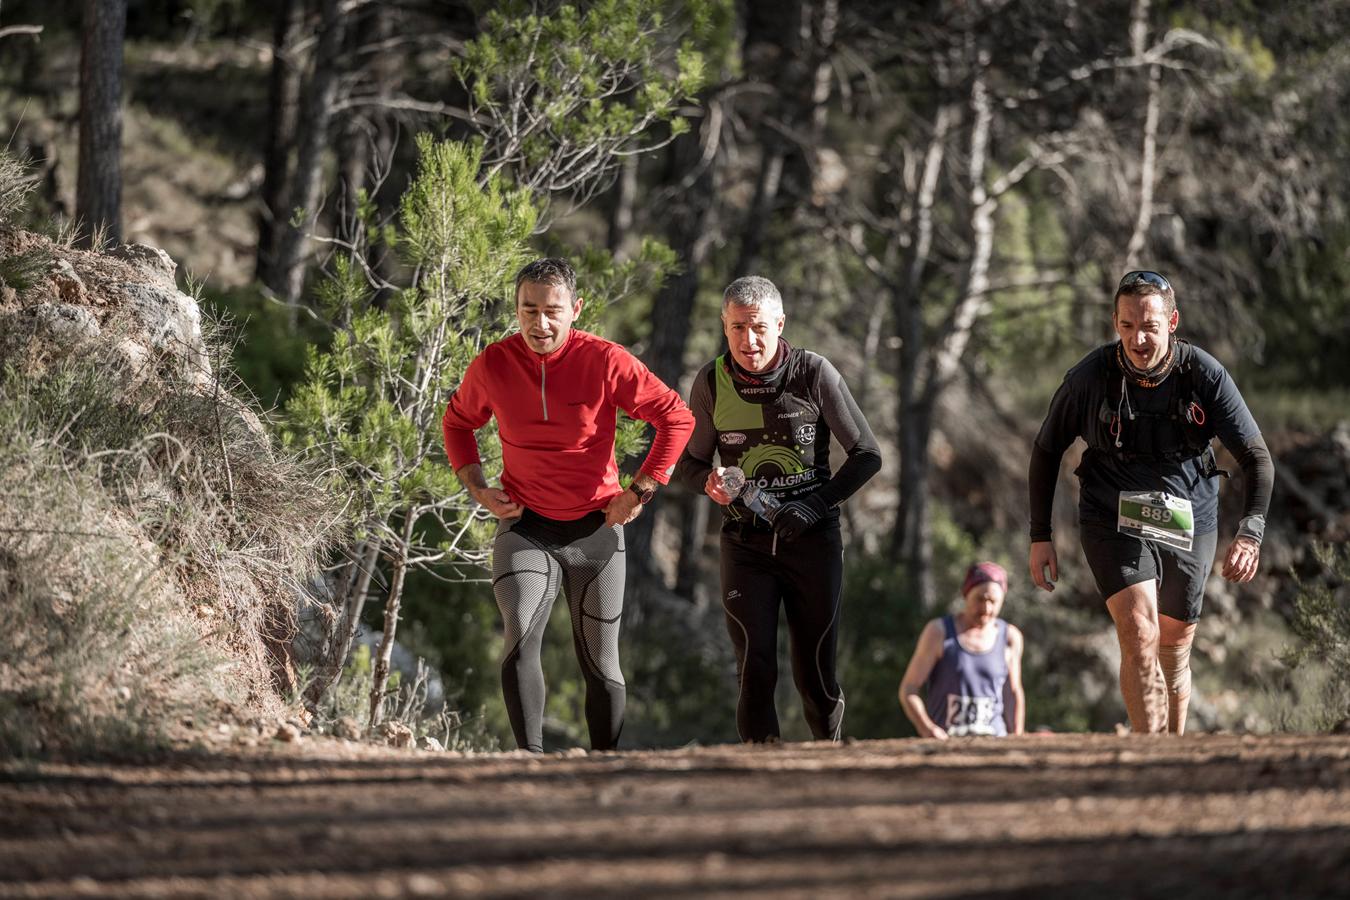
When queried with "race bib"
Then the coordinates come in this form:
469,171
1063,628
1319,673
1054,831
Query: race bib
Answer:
1157,516
970,715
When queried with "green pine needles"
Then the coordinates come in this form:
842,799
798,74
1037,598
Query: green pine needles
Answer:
560,97
372,403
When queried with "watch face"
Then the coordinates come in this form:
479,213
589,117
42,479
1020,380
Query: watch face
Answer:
643,496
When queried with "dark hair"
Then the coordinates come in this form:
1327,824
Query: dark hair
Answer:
549,270
1145,284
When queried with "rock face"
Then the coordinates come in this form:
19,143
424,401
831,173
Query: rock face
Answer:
347,729
153,261
69,286
66,326
170,322
127,299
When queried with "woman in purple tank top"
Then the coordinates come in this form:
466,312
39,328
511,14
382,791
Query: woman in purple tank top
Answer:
971,663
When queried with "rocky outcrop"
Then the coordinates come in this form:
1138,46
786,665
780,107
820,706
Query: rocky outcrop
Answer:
126,301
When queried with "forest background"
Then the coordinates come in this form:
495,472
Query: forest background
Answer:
944,192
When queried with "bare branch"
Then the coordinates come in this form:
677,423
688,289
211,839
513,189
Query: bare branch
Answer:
1154,56
11,30
408,104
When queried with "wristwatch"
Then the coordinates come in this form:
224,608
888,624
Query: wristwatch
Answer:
644,495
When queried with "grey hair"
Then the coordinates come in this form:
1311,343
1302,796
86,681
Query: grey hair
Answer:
551,270
754,291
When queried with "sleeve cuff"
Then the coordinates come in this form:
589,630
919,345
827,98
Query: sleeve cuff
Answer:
658,477
1253,527
462,450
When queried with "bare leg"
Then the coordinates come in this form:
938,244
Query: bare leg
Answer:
1174,656
1135,611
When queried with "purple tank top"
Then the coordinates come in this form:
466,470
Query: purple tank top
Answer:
965,690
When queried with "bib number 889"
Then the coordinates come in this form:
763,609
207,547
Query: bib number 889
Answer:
1156,514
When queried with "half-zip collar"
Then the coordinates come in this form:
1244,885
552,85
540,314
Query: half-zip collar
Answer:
543,384
545,361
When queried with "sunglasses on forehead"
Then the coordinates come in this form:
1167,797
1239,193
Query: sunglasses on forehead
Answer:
1144,277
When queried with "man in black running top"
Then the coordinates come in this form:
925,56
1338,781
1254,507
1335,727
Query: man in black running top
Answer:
1148,407
770,409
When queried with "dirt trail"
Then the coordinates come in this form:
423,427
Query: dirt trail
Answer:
1091,816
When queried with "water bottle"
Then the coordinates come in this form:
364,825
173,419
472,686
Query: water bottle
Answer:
757,500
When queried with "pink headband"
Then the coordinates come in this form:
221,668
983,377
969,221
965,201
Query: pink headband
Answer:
982,572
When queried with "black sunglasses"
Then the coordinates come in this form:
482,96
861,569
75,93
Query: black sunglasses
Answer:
1143,277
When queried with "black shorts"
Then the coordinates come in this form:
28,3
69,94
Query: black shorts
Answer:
1120,560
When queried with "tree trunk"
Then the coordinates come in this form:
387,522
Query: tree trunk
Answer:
366,557
366,140
316,111
916,546
823,50
925,373
693,528
98,193
1149,152
690,225
954,337
355,153
391,608
761,209
907,312
283,97
621,216
789,48
690,228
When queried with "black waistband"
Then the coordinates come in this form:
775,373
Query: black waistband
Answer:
559,532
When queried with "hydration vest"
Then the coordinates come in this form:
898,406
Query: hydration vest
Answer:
778,438
1175,434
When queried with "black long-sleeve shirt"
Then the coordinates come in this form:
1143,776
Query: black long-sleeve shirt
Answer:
1077,411
778,430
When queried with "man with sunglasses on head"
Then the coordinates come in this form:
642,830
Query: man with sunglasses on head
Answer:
1148,406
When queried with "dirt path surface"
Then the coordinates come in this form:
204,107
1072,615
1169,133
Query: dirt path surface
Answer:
1090,816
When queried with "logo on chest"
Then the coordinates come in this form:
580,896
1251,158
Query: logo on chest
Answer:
733,438
806,434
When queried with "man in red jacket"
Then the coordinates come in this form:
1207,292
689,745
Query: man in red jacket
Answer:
555,391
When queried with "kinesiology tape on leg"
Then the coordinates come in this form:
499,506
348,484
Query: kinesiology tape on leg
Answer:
1175,661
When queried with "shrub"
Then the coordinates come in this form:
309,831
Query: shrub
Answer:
153,554
1321,621
15,186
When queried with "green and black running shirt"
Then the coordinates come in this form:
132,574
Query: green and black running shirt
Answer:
777,429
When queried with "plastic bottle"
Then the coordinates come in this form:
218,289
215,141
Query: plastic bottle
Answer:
758,501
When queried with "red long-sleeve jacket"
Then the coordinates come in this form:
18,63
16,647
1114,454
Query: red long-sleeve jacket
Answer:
556,416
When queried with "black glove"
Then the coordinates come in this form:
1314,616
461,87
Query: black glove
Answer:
796,516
